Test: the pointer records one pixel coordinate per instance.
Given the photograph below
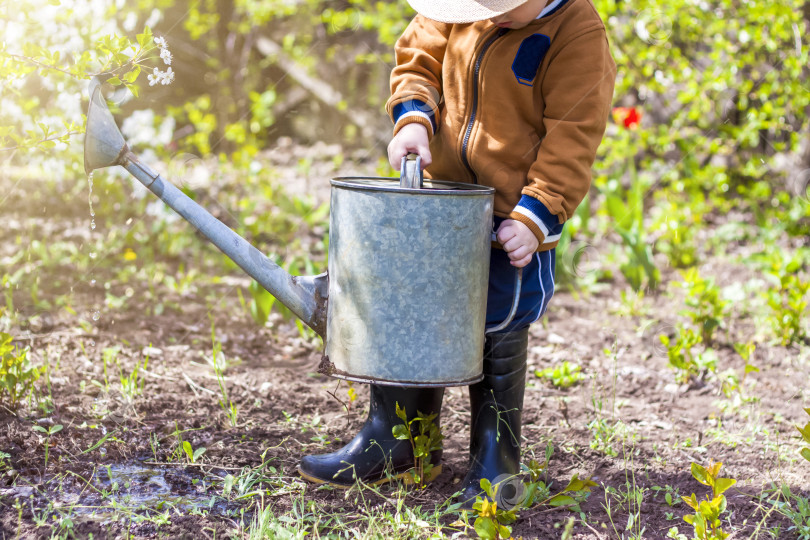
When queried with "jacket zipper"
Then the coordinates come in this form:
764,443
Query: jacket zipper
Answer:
476,73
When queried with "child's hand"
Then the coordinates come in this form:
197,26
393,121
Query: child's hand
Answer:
518,241
412,138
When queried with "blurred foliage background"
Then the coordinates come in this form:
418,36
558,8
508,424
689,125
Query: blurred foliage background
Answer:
710,125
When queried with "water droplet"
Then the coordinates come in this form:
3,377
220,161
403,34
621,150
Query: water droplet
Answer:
102,451
90,194
92,343
96,315
92,282
93,224
92,254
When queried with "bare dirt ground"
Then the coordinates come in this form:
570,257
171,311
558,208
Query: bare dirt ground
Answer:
626,426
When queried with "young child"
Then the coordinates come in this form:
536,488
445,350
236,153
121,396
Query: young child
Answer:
513,94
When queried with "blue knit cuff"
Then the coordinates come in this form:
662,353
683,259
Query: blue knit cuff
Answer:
414,107
541,217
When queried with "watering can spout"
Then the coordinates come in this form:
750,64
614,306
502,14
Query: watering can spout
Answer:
104,146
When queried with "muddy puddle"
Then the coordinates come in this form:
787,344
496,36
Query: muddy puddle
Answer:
115,491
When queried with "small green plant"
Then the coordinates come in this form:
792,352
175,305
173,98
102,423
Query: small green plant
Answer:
491,522
805,431
788,300
49,432
607,434
671,495
4,463
794,507
563,375
132,383
706,309
706,519
629,499
733,383
571,496
192,455
683,355
17,376
218,363
538,492
429,439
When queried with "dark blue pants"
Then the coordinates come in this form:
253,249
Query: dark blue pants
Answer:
536,291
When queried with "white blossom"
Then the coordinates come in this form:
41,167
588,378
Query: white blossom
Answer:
154,77
160,41
166,56
167,76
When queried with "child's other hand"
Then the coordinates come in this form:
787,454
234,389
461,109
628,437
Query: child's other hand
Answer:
412,138
518,241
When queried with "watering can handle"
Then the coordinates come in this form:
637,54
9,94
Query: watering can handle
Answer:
515,301
410,172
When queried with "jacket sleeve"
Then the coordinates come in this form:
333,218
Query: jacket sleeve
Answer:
416,81
577,93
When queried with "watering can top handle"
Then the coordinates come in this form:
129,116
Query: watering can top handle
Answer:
410,172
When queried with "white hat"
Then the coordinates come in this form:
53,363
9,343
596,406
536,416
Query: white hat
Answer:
463,11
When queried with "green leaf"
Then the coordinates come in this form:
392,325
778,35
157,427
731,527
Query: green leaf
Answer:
187,450
562,500
55,429
485,528
577,484
504,531
40,429
401,414
805,452
197,453
721,485
700,474
401,432
805,431
486,485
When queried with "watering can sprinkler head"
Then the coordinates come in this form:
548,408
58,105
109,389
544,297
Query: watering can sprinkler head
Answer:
104,145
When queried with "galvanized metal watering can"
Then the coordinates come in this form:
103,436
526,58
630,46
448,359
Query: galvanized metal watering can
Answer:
407,272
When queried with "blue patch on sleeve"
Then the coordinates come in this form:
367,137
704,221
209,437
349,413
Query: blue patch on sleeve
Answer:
529,56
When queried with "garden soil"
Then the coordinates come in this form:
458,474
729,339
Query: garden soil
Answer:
628,424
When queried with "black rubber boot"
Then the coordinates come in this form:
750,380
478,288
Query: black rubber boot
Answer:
374,455
495,411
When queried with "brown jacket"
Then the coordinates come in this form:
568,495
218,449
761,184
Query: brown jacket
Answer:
520,110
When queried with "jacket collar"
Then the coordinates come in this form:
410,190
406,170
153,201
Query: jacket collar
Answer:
553,7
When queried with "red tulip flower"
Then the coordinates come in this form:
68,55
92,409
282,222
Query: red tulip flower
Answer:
629,116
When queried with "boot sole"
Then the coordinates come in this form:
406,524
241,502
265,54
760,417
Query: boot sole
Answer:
405,476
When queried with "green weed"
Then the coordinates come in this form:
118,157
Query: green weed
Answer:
218,363
428,439
491,522
805,431
707,309
685,358
17,375
605,433
706,519
192,454
49,432
793,507
788,299
563,375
